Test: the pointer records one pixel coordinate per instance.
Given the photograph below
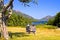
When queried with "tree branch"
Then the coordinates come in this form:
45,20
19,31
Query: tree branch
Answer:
9,4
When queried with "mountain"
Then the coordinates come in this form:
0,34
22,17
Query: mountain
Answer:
47,18
24,15
43,20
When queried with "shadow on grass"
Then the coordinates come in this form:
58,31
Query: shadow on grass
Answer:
16,34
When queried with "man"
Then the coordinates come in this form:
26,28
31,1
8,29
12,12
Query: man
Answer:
28,28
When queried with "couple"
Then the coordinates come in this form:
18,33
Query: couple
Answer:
31,28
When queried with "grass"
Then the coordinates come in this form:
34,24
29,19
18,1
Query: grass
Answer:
18,33
46,26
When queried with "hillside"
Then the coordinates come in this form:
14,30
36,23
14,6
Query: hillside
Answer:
19,19
22,14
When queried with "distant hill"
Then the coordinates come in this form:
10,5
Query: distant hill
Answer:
46,18
24,15
43,20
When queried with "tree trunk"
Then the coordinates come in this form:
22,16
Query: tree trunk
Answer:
3,19
4,33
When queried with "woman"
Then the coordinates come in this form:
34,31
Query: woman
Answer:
33,29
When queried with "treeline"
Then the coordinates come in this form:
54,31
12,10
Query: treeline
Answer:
55,21
18,20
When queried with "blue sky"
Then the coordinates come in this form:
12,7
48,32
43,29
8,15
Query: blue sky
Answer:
44,8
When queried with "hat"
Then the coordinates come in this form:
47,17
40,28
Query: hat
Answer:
28,25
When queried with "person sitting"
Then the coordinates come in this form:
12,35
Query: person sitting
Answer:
33,29
28,28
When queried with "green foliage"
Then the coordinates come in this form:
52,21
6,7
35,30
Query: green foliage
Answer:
57,20
18,20
50,22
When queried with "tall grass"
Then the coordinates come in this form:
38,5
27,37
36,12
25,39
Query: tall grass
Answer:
18,33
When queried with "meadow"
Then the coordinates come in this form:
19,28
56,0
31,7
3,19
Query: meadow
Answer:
42,33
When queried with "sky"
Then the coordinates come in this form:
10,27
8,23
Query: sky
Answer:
43,9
